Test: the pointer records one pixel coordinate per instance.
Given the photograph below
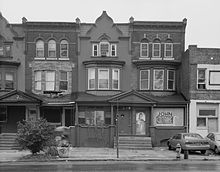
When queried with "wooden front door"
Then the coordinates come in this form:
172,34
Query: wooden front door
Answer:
124,124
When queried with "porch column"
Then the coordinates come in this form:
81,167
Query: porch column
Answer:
112,114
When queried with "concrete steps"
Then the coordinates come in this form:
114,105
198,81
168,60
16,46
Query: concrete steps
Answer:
134,142
8,141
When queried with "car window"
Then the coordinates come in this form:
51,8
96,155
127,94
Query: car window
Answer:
178,136
217,136
192,136
209,135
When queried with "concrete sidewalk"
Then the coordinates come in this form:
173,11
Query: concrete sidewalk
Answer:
110,154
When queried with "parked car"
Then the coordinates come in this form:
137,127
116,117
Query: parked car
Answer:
214,141
189,141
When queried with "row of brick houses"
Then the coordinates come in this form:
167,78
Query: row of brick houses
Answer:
85,75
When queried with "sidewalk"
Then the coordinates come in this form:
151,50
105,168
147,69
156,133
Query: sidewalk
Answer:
110,154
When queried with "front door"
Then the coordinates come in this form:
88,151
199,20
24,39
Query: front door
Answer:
124,124
140,123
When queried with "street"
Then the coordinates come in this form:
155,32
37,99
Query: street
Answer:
111,166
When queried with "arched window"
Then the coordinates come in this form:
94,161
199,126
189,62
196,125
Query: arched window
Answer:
168,49
144,48
157,48
52,48
40,48
64,46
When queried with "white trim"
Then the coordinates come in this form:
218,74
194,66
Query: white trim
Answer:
159,56
141,50
93,45
89,71
165,49
67,80
115,50
98,78
174,76
53,50
154,79
67,43
107,53
148,86
118,79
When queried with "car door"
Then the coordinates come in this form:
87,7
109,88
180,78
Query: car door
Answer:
176,139
211,140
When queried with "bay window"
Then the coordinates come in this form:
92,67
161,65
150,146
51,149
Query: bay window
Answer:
37,80
115,79
103,79
63,80
158,82
9,80
144,79
170,79
91,78
50,80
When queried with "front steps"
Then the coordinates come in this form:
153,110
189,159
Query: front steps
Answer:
133,142
8,141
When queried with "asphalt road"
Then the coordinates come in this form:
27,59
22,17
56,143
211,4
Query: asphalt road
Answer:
112,166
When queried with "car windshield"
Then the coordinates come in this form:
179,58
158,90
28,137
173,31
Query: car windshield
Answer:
192,136
217,137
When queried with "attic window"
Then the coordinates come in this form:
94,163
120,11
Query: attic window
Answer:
104,48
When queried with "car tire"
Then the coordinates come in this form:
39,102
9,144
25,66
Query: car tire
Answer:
216,150
169,146
203,151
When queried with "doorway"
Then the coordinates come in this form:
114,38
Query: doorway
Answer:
124,125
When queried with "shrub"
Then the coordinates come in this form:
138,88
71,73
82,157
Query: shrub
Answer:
35,135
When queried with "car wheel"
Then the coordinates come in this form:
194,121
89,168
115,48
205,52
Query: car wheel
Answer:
169,146
216,150
203,151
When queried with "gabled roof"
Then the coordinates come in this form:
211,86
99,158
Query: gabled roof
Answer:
132,97
17,96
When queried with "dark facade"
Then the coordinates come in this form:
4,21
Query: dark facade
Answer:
201,85
87,76
51,68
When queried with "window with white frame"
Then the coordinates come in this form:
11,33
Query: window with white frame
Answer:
170,79
201,79
113,50
214,77
91,78
52,48
63,80
40,48
145,79
37,80
9,80
158,82
144,50
206,117
103,79
168,50
50,80
95,51
64,48
5,47
115,79
156,49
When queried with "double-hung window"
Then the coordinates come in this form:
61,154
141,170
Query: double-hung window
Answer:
39,48
95,50
158,83
201,79
144,79
64,48
103,79
170,79
37,80
168,50
51,48
9,80
50,80
156,50
91,78
63,80
113,50
144,50
115,79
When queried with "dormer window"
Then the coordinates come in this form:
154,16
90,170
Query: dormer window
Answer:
104,49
